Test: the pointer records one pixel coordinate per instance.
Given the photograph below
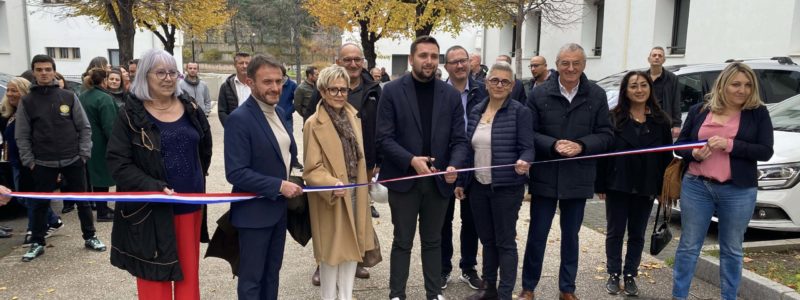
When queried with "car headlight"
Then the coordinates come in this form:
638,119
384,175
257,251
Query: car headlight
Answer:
776,177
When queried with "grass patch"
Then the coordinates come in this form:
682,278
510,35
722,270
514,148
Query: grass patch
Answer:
780,266
670,261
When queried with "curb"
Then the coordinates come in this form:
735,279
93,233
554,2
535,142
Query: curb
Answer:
752,285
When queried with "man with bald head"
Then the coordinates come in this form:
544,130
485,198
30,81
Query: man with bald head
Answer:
518,91
540,73
476,69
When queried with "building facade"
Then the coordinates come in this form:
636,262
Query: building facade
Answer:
30,29
618,34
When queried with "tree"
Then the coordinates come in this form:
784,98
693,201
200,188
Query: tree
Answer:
558,13
118,14
390,18
192,17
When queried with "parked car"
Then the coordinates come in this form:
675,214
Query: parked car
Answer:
72,84
778,199
778,78
4,79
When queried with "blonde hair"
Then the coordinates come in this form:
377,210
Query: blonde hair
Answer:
716,102
328,75
24,86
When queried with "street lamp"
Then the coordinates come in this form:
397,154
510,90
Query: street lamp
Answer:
194,58
252,37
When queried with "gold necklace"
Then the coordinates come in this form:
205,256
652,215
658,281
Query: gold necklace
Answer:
153,105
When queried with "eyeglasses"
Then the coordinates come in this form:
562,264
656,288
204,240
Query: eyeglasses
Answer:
574,64
348,60
463,61
502,83
534,65
337,92
161,74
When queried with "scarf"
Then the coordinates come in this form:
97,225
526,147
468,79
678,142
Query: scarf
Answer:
348,137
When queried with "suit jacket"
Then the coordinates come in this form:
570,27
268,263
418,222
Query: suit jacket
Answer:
753,142
399,131
254,163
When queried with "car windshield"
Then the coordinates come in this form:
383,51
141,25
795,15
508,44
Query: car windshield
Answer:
611,85
786,115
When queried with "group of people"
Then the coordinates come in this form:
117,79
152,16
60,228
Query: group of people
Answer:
356,129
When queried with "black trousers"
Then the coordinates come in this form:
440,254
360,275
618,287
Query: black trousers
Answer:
631,211
496,211
425,202
468,237
45,180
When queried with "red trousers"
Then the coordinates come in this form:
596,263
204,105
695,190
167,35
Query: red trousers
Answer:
187,233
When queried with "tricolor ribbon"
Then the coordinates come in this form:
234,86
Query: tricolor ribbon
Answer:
213,198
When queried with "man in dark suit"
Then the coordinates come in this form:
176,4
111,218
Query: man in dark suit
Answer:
420,129
570,118
259,151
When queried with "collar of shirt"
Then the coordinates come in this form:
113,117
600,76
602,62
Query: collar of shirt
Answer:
568,94
464,99
242,90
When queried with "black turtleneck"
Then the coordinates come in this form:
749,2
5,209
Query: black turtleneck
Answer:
425,97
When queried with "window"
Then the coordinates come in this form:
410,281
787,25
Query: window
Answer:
680,26
52,1
693,87
592,29
777,85
63,52
531,34
113,57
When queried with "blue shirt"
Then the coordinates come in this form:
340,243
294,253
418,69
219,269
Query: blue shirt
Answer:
464,95
179,142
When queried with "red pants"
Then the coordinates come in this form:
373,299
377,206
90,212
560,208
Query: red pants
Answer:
187,233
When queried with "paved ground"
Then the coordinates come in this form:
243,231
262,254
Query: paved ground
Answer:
68,271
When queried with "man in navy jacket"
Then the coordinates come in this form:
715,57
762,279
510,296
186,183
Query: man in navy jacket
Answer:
259,150
420,129
570,118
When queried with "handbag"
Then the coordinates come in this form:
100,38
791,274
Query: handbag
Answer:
372,257
671,186
379,193
661,233
297,204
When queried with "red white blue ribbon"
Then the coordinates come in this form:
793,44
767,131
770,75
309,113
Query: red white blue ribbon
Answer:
213,198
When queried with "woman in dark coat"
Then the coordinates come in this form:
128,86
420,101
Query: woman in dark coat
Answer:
500,131
629,183
101,112
161,142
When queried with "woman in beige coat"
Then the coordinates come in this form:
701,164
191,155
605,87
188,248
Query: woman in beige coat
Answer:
341,226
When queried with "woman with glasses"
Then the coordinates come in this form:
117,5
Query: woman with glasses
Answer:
629,183
161,142
341,224
500,131
722,177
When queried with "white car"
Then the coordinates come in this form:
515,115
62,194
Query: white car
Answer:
778,199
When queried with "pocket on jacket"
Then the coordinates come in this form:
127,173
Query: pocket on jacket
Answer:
141,236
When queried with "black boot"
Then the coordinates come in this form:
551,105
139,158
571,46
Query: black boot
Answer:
488,291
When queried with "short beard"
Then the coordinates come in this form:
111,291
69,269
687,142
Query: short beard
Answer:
421,77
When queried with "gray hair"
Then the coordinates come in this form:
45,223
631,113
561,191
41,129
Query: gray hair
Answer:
502,66
147,62
570,47
339,51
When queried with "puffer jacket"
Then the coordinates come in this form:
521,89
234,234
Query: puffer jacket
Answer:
512,140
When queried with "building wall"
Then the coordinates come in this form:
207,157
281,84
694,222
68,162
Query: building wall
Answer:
717,30
13,47
93,39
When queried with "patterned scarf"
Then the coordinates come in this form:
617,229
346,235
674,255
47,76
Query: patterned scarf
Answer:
348,137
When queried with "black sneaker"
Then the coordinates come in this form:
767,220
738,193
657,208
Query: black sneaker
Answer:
33,252
374,212
28,238
95,244
5,234
445,278
53,228
630,286
471,277
612,285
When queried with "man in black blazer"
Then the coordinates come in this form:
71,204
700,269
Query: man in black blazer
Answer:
259,150
570,118
420,129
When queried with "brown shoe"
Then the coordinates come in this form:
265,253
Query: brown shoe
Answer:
567,296
315,278
526,295
362,273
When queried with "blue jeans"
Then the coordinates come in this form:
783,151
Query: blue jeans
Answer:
734,206
52,218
